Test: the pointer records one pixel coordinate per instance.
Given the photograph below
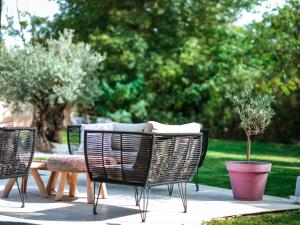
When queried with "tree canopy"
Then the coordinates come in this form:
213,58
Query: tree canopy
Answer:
175,61
49,78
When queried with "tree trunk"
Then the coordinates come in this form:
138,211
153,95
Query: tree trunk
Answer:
48,121
248,147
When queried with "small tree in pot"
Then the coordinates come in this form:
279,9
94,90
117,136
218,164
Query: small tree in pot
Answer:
248,178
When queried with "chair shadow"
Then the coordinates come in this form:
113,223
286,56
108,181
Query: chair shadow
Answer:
15,223
75,212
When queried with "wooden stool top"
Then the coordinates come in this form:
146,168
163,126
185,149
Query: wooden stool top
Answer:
67,163
39,165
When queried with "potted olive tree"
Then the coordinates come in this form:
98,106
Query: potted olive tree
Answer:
248,178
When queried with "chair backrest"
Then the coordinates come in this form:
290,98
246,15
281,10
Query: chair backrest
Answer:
74,136
17,147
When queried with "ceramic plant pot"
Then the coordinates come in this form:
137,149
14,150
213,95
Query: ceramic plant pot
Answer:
248,179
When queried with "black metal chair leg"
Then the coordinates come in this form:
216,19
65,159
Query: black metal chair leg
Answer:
21,193
137,196
196,180
170,189
95,204
183,195
145,192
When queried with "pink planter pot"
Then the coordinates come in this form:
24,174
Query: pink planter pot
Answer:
248,179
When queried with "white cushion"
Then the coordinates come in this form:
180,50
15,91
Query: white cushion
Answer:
156,127
9,124
133,127
130,127
95,126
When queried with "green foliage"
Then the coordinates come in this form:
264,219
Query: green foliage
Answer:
255,112
60,73
276,42
273,51
165,58
174,61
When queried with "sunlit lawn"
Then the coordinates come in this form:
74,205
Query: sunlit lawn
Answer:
281,218
285,161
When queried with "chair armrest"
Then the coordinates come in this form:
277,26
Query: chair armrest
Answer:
175,157
204,146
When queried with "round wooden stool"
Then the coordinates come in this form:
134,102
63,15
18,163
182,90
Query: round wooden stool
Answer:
69,166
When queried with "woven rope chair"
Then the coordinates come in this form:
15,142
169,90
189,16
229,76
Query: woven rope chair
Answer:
162,159
74,137
16,152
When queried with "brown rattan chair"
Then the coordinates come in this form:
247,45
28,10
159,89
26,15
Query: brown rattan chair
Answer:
162,159
74,137
17,147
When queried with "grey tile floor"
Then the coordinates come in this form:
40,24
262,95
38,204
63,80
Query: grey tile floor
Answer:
119,207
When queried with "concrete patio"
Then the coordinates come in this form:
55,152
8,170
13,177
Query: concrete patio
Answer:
119,208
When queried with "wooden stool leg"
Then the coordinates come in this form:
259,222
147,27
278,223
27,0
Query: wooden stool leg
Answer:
103,191
24,184
73,182
69,179
60,191
10,183
39,182
52,182
89,190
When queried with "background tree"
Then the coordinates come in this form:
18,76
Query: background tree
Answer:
0,20
275,53
175,61
49,78
164,57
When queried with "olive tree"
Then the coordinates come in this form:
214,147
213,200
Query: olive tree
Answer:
49,77
255,113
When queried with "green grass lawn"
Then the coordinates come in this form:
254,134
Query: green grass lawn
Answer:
281,218
63,137
285,161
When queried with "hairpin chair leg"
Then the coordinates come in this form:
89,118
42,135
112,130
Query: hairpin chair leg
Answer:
170,189
145,192
196,180
21,193
183,195
96,199
137,196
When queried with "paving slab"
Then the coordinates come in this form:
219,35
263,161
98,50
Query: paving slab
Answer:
119,207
